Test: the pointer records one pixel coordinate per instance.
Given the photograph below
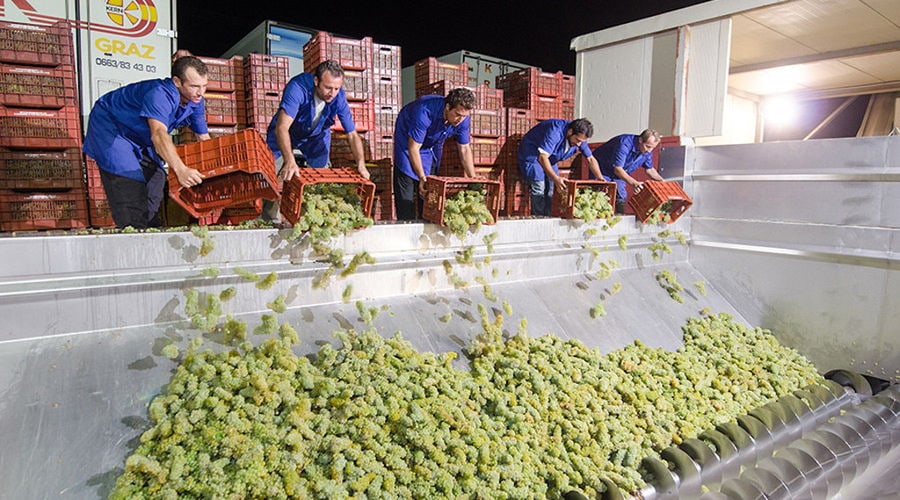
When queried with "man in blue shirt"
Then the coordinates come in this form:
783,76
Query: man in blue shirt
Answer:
419,134
622,155
545,145
129,136
309,104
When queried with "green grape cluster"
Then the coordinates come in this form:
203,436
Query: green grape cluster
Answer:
669,282
329,210
465,209
591,205
533,418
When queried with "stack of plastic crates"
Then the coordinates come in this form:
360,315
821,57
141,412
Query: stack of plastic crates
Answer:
662,201
41,169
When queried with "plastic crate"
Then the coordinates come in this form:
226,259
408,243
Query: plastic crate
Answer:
37,87
383,147
292,197
542,108
567,87
36,211
98,206
563,205
518,121
439,189
383,207
485,150
487,122
41,170
224,75
386,59
238,168
567,109
350,53
235,214
363,113
40,128
265,72
386,118
221,108
358,85
430,70
387,90
259,107
22,43
485,97
530,81
655,195
341,151
187,136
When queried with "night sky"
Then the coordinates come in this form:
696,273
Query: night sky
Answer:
516,31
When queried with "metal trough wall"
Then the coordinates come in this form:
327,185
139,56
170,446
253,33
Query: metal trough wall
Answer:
803,238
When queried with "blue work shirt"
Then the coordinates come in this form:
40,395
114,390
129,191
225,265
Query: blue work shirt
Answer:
298,101
621,151
118,133
549,135
423,121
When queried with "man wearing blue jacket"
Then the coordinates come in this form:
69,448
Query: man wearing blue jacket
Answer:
546,144
419,134
309,104
620,156
129,136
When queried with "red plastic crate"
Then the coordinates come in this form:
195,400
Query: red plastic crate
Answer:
221,108
439,189
485,97
41,170
383,147
35,211
567,87
22,43
487,122
485,150
341,151
542,108
363,116
238,168
563,205
383,207
518,121
567,109
265,72
530,81
260,106
98,206
37,87
186,136
655,195
516,204
357,85
235,214
224,75
292,197
387,91
430,70
40,128
386,117
386,59
350,53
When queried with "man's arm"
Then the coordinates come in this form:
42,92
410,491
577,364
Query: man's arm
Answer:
356,147
468,163
653,174
622,174
283,138
415,159
162,143
544,160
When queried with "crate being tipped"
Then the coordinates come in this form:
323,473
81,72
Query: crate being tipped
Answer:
292,197
439,190
665,197
237,168
565,204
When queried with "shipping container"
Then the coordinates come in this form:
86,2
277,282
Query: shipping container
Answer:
116,43
275,39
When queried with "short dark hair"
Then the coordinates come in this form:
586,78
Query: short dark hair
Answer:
461,96
581,126
180,66
647,134
330,66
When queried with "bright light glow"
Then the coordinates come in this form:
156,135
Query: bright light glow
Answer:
779,111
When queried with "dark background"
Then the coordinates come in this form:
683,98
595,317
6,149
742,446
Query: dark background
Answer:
518,31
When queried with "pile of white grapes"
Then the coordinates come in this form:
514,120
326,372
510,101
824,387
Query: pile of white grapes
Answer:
465,209
591,205
532,418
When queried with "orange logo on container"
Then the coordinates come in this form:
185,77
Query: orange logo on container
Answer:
130,11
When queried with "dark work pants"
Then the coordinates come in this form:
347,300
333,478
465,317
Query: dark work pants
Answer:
406,196
132,202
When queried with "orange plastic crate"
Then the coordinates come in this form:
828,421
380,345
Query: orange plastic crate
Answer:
530,81
224,75
487,122
221,108
41,170
439,189
22,43
40,128
350,53
563,206
35,211
363,114
292,197
654,195
37,87
238,168
430,70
